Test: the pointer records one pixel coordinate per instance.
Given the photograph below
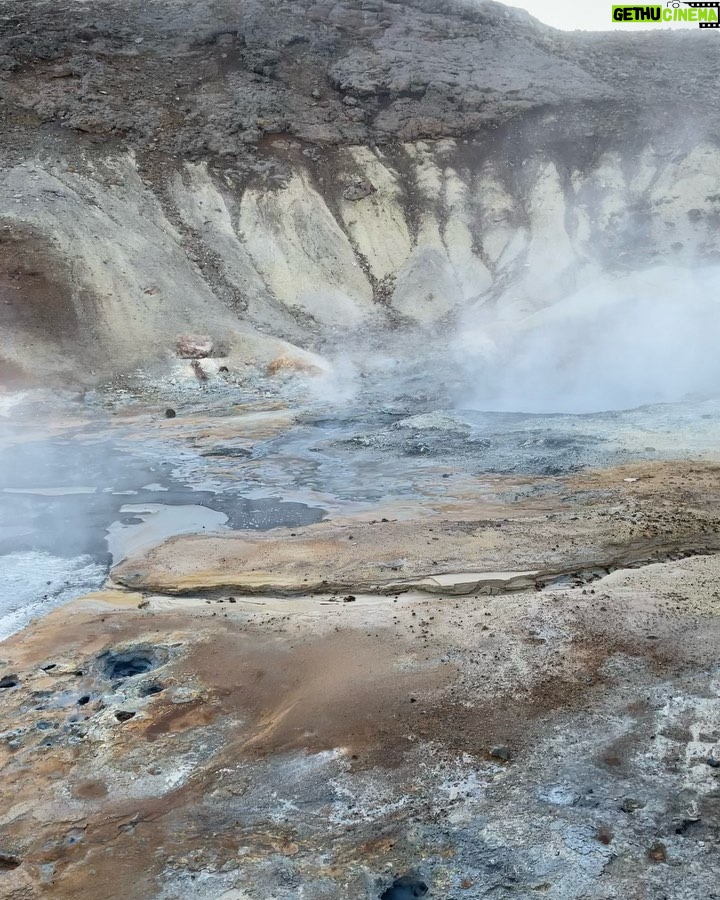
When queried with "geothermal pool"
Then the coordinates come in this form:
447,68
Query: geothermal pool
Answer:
81,487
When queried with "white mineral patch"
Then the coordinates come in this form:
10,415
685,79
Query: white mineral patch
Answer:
159,522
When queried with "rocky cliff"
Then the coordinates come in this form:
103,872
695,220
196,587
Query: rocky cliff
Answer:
286,176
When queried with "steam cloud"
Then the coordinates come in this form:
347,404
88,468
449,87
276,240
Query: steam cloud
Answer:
649,337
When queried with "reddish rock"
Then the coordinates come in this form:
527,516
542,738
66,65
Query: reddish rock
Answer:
191,346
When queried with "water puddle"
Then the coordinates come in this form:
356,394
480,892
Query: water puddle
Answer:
147,525
74,503
65,515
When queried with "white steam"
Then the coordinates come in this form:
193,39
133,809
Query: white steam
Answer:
33,583
647,337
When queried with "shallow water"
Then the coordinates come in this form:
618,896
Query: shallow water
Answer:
71,506
149,524
73,502
33,583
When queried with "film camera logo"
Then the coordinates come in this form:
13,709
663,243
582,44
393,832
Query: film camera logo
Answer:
708,23
706,14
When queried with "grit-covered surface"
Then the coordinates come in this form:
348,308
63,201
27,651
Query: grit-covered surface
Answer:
469,689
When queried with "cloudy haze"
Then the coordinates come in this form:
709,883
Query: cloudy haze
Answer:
590,15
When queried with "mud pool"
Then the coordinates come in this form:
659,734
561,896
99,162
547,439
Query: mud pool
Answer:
101,485
322,629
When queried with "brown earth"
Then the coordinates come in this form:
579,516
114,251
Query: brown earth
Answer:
258,697
602,519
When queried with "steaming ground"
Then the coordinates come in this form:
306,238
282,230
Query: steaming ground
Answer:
32,584
289,671
83,489
618,343
221,744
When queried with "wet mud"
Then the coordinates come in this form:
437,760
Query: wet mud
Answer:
326,668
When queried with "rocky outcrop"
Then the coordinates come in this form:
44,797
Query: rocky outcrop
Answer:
504,549
197,80
444,236
291,180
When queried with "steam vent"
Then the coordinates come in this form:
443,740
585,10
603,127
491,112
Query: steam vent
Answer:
359,450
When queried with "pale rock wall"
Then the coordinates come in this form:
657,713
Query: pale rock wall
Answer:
378,228
295,262
303,254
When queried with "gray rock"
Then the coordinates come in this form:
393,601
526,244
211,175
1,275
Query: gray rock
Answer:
359,191
430,70
631,805
504,754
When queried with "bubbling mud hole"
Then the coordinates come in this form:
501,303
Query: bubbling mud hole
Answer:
405,888
117,666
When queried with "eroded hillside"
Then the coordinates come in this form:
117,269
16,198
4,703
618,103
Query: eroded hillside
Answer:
297,173
392,532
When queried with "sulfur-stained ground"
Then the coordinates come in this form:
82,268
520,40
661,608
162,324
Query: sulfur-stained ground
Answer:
488,684
559,741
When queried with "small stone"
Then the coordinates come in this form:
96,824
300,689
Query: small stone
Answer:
630,805
713,763
658,852
502,753
359,191
170,413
